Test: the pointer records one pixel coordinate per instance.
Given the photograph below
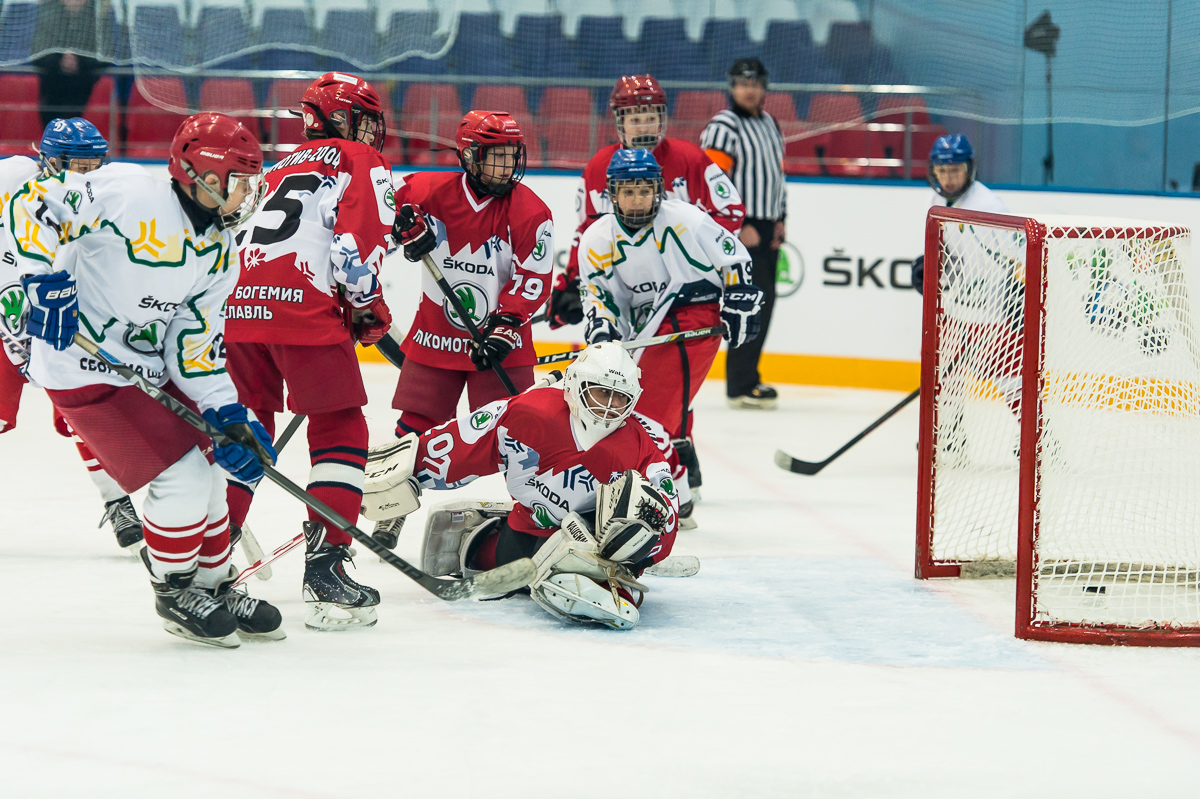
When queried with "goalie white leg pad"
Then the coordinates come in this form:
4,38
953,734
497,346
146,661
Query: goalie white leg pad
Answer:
389,488
446,527
576,598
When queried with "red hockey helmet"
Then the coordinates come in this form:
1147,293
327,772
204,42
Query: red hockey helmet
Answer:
354,98
633,101
214,143
480,131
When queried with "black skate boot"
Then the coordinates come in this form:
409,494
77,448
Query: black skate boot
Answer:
387,532
191,612
121,514
686,451
257,619
327,586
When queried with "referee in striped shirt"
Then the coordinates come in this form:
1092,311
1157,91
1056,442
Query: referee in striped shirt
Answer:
745,141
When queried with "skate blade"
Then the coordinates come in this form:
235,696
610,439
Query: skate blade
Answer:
688,524
321,617
225,642
134,549
675,566
274,635
750,403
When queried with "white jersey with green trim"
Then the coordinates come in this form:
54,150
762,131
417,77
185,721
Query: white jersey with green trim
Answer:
633,278
151,287
15,172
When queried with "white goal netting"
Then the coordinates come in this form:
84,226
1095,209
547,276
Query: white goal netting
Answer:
1080,446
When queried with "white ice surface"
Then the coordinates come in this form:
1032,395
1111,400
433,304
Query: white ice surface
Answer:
803,660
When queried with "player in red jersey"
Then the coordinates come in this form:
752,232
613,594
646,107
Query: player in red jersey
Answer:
309,288
493,239
639,107
593,499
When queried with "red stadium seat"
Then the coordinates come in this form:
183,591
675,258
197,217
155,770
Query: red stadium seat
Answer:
693,110
428,122
103,110
906,110
284,133
150,121
233,97
780,106
19,106
566,121
849,142
800,148
512,100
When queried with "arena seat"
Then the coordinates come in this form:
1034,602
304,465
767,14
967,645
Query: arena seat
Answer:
617,57
725,41
285,26
322,9
157,38
512,99
479,48
430,110
17,20
554,55
574,11
568,126
895,109
19,105
412,31
799,156
284,132
104,110
352,33
232,96
667,52
220,34
149,127
842,155
791,57
511,12
849,49
691,113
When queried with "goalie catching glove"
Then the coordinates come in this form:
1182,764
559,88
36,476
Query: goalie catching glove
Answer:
631,515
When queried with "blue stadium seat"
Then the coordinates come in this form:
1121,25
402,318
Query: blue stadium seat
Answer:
220,33
479,48
849,49
667,52
158,37
725,41
17,20
791,57
605,52
353,34
286,26
546,52
410,31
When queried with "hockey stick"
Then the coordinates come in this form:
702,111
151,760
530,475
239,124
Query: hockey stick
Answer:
406,219
667,338
675,566
797,466
254,550
500,580
389,345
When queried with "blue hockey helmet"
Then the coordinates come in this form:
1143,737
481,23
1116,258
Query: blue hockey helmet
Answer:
66,140
634,166
951,149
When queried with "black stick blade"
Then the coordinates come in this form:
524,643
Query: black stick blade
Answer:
796,466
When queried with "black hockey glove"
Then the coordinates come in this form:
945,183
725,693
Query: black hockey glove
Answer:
412,232
739,313
566,306
501,334
918,274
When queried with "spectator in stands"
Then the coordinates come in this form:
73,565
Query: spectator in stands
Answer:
746,142
75,31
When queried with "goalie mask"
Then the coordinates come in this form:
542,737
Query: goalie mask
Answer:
601,387
635,186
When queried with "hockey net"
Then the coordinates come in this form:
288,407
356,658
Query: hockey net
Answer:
1060,422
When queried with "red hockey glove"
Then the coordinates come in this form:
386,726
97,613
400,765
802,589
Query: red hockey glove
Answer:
501,335
371,323
411,231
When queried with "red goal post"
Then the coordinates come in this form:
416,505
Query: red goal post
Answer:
1060,422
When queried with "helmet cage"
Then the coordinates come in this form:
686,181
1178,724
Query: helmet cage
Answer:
595,368
475,155
256,188
643,141
639,219
354,122
931,176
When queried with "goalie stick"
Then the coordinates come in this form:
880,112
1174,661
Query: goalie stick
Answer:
675,566
797,466
667,338
254,550
500,580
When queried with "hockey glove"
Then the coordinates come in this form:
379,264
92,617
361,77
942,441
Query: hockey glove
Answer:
739,313
411,231
370,324
566,307
501,334
918,274
53,308
250,447
599,329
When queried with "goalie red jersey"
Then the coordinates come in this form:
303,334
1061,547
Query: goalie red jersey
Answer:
496,252
531,440
314,246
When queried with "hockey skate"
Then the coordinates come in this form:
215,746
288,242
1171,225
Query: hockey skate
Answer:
686,522
761,397
126,525
387,532
328,589
257,619
190,612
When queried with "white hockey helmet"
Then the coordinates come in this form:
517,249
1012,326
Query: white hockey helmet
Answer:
601,387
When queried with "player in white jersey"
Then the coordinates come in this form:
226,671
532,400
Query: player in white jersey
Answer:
143,267
74,145
657,266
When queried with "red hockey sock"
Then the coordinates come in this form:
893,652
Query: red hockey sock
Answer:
414,423
173,548
239,496
337,444
214,552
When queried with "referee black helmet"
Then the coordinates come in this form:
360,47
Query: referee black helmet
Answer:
748,68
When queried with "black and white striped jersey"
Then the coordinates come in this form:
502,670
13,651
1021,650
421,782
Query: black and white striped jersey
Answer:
756,146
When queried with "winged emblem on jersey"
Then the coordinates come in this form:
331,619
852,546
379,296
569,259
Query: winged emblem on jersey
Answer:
474,301
143,338
12,308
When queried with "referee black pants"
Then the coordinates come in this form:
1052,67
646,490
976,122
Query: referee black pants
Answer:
741,365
